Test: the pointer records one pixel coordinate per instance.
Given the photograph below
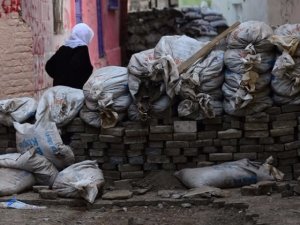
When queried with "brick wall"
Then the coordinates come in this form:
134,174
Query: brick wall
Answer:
130,150
16,59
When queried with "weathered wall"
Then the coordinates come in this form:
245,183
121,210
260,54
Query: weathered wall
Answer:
16,59
271,12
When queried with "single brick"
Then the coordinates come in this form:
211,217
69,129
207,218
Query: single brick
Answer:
287,154
89,137
246,155
248,141
75,129
123,184
281,132
156,144
99,145
273,111
185,126
168,166
251,148
137,132
151,166
161,137
108,166
134,152
185,136
281,124
266,141
229,134
115,131
190,151
207,135
290,108
209,149
256,126
115,152
292,145
161,129
137,146
116,160
229,149
132,175
177,144
153,151
77,144
256,134
158,159
286,116
96,152
172,151
48,194
136,160
201,143
135,140
179,159
274,148
110,139
218,157
111,175
261,117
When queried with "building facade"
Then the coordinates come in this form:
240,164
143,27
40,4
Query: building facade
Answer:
32,30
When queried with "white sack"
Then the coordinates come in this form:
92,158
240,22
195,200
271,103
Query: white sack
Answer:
15,181
16,110
59,104
45,139
80,180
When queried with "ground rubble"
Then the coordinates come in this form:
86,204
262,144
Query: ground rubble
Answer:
264,206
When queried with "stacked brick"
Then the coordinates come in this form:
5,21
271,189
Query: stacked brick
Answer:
131,150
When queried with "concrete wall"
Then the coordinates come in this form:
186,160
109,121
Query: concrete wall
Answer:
272,12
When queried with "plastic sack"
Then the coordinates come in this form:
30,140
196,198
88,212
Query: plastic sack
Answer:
241,61
42,169
16,110
59,104
15,204
45,139
229,175
251,32
15,181
80,180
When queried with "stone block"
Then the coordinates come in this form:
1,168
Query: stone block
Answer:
266,141
168,166
274,148
190,151
248,141
159,159
273,110
288,162
281,132
120,146
115,152
209,149
132,175
179,159
161,129
287,154
116,160
129,168
111,175
135,140
204,135
108,166
286,116
48,194
79,151
172,151
230,134
89,137
292,145
261,117
161,137
99,160
137,146
185,126
185,136
156,144
75,129
201,143
134,152
216,120
153,151
151,166
265,187
117,195
224,142
286,139
249,191
136,132
99,145
220,157
77,144
251,148
256,134
256,126
281,124
91,130
96,152
136,160
213,127
229,149
123,184
246,155
290,108
110,138
177,144
114,131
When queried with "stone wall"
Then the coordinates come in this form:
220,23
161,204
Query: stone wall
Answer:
130,150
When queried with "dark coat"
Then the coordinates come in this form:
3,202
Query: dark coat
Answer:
70,66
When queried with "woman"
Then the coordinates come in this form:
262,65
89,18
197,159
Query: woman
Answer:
70,65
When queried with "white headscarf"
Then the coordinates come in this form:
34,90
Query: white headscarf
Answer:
81,35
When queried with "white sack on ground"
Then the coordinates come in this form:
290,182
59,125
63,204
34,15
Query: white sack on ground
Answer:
229,175
59,104
45,139
16,110
15,181
80,180
254,32
42,169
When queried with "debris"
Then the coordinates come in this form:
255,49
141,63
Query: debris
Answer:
186,205
48,194
206,192
117,195
37,188
15,204
140,191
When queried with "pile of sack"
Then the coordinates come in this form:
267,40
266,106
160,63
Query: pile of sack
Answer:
286,72
249,60
107,97
40,151
202,21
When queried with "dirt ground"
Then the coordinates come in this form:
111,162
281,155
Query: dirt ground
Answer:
153,215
